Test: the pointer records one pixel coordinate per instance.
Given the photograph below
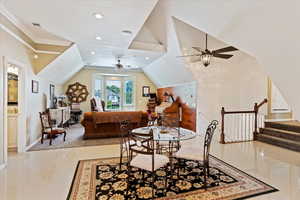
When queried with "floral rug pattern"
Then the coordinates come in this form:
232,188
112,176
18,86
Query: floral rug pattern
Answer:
102,179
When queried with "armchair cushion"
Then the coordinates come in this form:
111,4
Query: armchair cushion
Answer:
190,153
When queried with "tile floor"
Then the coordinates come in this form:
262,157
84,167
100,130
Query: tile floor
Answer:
47,175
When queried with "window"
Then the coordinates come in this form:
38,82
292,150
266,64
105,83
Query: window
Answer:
118,91
98,88
113,94
128,92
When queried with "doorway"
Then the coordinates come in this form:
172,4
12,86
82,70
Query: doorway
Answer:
14,101
12,85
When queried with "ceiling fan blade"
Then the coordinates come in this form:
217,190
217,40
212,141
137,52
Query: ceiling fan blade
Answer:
226,49
224,56
196,60
198,49
188,55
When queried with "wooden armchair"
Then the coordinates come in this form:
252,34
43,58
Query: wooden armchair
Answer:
97,106
48,129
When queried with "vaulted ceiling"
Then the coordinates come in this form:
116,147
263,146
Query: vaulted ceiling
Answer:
265,29
75,21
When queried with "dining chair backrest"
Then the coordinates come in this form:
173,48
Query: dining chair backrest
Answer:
45,120
143,143
125,128
207,140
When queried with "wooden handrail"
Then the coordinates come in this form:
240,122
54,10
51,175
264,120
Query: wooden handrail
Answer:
254,111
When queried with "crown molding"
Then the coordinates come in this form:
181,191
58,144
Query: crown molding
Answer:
28,32
52,42
24,42
108,68
16,22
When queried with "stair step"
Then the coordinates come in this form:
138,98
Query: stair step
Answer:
289,135
285,125
288,144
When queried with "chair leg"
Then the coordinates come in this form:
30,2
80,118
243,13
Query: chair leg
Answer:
42,138
128,180
65,134
205,178
50,143
121,156
152,185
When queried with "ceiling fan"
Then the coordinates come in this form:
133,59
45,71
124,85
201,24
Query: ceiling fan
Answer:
205,55
120,66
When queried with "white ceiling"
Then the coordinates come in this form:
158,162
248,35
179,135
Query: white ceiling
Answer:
74,21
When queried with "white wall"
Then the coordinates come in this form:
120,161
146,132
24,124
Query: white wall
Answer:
85,77
236,83
264,29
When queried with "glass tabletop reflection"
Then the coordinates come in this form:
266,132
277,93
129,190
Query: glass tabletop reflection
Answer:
167,133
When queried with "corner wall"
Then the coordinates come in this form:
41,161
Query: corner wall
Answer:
15,50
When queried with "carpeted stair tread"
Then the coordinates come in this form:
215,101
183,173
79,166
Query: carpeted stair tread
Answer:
281,142
291,135
285,125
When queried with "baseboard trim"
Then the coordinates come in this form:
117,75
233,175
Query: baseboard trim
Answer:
2,166
32,144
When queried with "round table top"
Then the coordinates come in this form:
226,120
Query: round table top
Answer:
172,134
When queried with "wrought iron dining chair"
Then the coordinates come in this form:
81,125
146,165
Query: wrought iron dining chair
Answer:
145,158
169,121
125,130
199,154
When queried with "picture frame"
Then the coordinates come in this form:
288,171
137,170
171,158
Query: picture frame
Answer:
146,91
52,91
34,86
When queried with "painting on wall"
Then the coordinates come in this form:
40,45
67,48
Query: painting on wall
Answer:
146,91
35,86
12,89
52,95
77,93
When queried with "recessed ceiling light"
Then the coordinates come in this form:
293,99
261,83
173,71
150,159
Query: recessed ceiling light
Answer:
35,56
147,58
126,32
93,52
98,15
98,38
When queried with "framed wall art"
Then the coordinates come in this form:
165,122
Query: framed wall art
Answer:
35,86
146,91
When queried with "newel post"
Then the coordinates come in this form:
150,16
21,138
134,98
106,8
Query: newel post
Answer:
222,137
255,122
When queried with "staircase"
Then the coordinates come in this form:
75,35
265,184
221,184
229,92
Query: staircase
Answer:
283,134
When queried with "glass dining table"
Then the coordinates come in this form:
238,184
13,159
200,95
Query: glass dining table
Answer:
167,136
167,133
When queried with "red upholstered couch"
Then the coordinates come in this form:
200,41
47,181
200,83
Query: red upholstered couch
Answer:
107,124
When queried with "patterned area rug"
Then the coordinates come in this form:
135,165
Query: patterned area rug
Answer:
102,179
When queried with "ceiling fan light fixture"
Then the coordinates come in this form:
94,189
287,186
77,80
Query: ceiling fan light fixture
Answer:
98,15
205,58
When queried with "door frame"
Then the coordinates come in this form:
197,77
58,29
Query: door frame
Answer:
21,132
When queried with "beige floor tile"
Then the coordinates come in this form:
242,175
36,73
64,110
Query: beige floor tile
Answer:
47,175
